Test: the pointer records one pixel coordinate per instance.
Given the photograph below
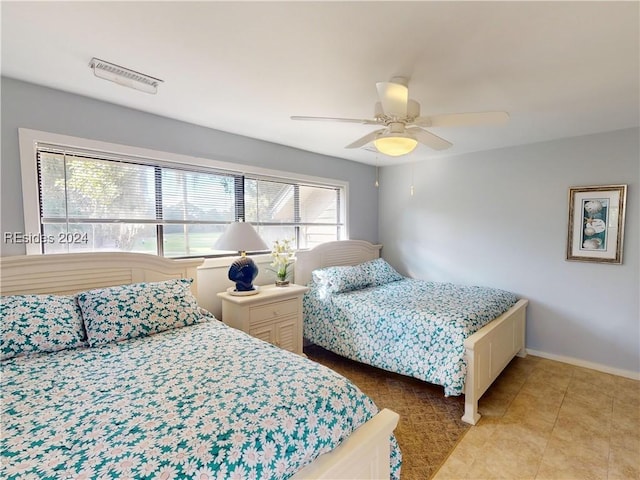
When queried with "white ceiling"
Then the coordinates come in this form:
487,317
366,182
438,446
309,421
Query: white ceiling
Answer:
560,69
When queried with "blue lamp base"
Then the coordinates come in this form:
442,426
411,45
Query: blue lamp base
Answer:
243,272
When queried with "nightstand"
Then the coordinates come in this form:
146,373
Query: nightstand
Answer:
273,315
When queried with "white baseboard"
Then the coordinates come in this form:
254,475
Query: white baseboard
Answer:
585,364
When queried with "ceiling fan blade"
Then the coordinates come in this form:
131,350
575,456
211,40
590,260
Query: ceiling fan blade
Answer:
462,119
429,139
331,119
394,98
369,137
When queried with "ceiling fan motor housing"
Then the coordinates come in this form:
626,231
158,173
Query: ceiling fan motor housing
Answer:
413,112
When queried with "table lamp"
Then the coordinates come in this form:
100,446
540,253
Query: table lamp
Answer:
242,237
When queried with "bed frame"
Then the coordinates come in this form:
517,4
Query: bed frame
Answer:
364,455
487,352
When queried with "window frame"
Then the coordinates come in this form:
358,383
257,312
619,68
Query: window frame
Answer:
30,139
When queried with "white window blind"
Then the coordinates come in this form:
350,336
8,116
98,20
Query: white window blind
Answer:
94,202
308,214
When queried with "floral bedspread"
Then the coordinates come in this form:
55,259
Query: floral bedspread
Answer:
203,401
412,327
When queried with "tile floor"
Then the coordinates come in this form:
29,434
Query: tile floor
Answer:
549,420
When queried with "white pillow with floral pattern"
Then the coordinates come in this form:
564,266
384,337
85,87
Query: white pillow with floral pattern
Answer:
130,311
340,279
379,272
39,323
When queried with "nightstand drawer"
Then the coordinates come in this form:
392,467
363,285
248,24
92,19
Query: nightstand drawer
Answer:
273,310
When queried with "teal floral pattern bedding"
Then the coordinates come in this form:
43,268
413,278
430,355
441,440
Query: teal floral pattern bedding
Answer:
137,310
202,401
412,327
34,324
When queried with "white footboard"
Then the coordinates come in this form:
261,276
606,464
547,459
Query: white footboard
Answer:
364,455
488,351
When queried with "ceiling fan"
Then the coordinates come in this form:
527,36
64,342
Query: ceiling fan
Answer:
403,125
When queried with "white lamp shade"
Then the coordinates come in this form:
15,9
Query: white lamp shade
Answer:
240,237
395,144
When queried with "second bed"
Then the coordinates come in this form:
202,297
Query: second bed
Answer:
358,306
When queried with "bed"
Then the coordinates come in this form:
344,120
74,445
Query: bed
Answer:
358,306
110,369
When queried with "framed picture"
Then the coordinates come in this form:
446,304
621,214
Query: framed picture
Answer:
596,223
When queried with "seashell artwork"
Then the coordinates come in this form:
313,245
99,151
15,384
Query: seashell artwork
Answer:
596,223
592,244
592,207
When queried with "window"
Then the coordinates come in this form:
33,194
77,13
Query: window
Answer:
98,201
308,214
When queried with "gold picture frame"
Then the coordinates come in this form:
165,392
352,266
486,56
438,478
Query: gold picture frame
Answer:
596,223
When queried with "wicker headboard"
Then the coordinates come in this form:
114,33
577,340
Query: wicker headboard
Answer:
71,273
342,252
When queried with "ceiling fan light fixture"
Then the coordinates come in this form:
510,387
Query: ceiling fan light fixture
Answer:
395,144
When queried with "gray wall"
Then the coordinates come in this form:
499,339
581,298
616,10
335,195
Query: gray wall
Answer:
26,105
499,219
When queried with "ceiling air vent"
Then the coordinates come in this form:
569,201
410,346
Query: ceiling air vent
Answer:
124,76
